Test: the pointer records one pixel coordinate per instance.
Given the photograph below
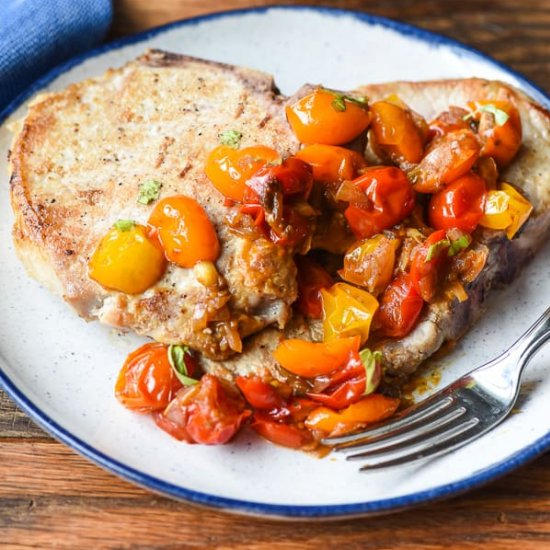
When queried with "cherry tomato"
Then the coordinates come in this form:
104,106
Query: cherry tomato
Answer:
310,359
146,381
287,435
228,168
185,231
332,164
459,205
449,121
259,394
372,408
389,199
425,273
448,158
300,407
396,133
127,260
293,177
400,307
311,279
501,141
326,117
205,413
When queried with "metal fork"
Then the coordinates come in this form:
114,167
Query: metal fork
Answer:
452,417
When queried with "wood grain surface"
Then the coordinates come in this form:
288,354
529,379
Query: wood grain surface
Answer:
51,497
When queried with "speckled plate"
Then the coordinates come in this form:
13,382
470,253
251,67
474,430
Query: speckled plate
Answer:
61,370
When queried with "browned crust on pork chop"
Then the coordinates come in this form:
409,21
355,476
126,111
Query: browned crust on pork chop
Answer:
76,166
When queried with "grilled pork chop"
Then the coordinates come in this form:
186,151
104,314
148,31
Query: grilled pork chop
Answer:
444,320
77,163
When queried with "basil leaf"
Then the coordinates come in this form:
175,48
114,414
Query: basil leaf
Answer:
176,358
149,191
231,138
458,244
124,225
436,248
373,370
339,103
501,117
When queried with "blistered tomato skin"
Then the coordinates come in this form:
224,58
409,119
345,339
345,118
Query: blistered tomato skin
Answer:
318,118
184,231
127,260
228,169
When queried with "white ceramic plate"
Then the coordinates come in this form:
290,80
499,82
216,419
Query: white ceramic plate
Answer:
61,370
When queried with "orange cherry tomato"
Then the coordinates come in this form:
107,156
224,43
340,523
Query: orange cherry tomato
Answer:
400,307
205,413
388,199
326,117
448,158
259,394
281,433
501,141
310,359
425,273
372,408
460,204
146,381
396,133
127,260
311,279
228,168
185,231
332,164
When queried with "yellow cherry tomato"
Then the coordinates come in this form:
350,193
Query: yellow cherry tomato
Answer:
127,260
327,117
228,168
505,209
185,231
347,311
372,408
331,163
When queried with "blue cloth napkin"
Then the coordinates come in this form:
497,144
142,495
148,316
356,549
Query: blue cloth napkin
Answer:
36,35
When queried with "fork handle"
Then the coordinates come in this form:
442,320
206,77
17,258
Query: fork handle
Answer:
530,342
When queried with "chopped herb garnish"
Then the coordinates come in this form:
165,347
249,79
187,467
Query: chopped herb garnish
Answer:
373,370
339,103
149,191
124,225
436,248
501,117
176,357
458,244
231,138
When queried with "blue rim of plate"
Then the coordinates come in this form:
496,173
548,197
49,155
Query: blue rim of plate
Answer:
337,511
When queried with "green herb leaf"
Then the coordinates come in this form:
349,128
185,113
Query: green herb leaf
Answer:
373,370
231,138
339,103
124,225
436,248
459,244
501,117
149,191
176,357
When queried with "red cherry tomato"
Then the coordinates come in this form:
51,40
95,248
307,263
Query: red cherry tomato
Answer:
146,381
205,413
460,204
389,199
287,435
259,394
311,279
400,307
425,273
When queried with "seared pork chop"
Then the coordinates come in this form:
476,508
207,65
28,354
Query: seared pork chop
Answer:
76,166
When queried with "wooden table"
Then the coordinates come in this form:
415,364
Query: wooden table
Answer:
49,496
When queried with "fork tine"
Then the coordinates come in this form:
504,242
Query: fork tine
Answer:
402,437
431,447
405,419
